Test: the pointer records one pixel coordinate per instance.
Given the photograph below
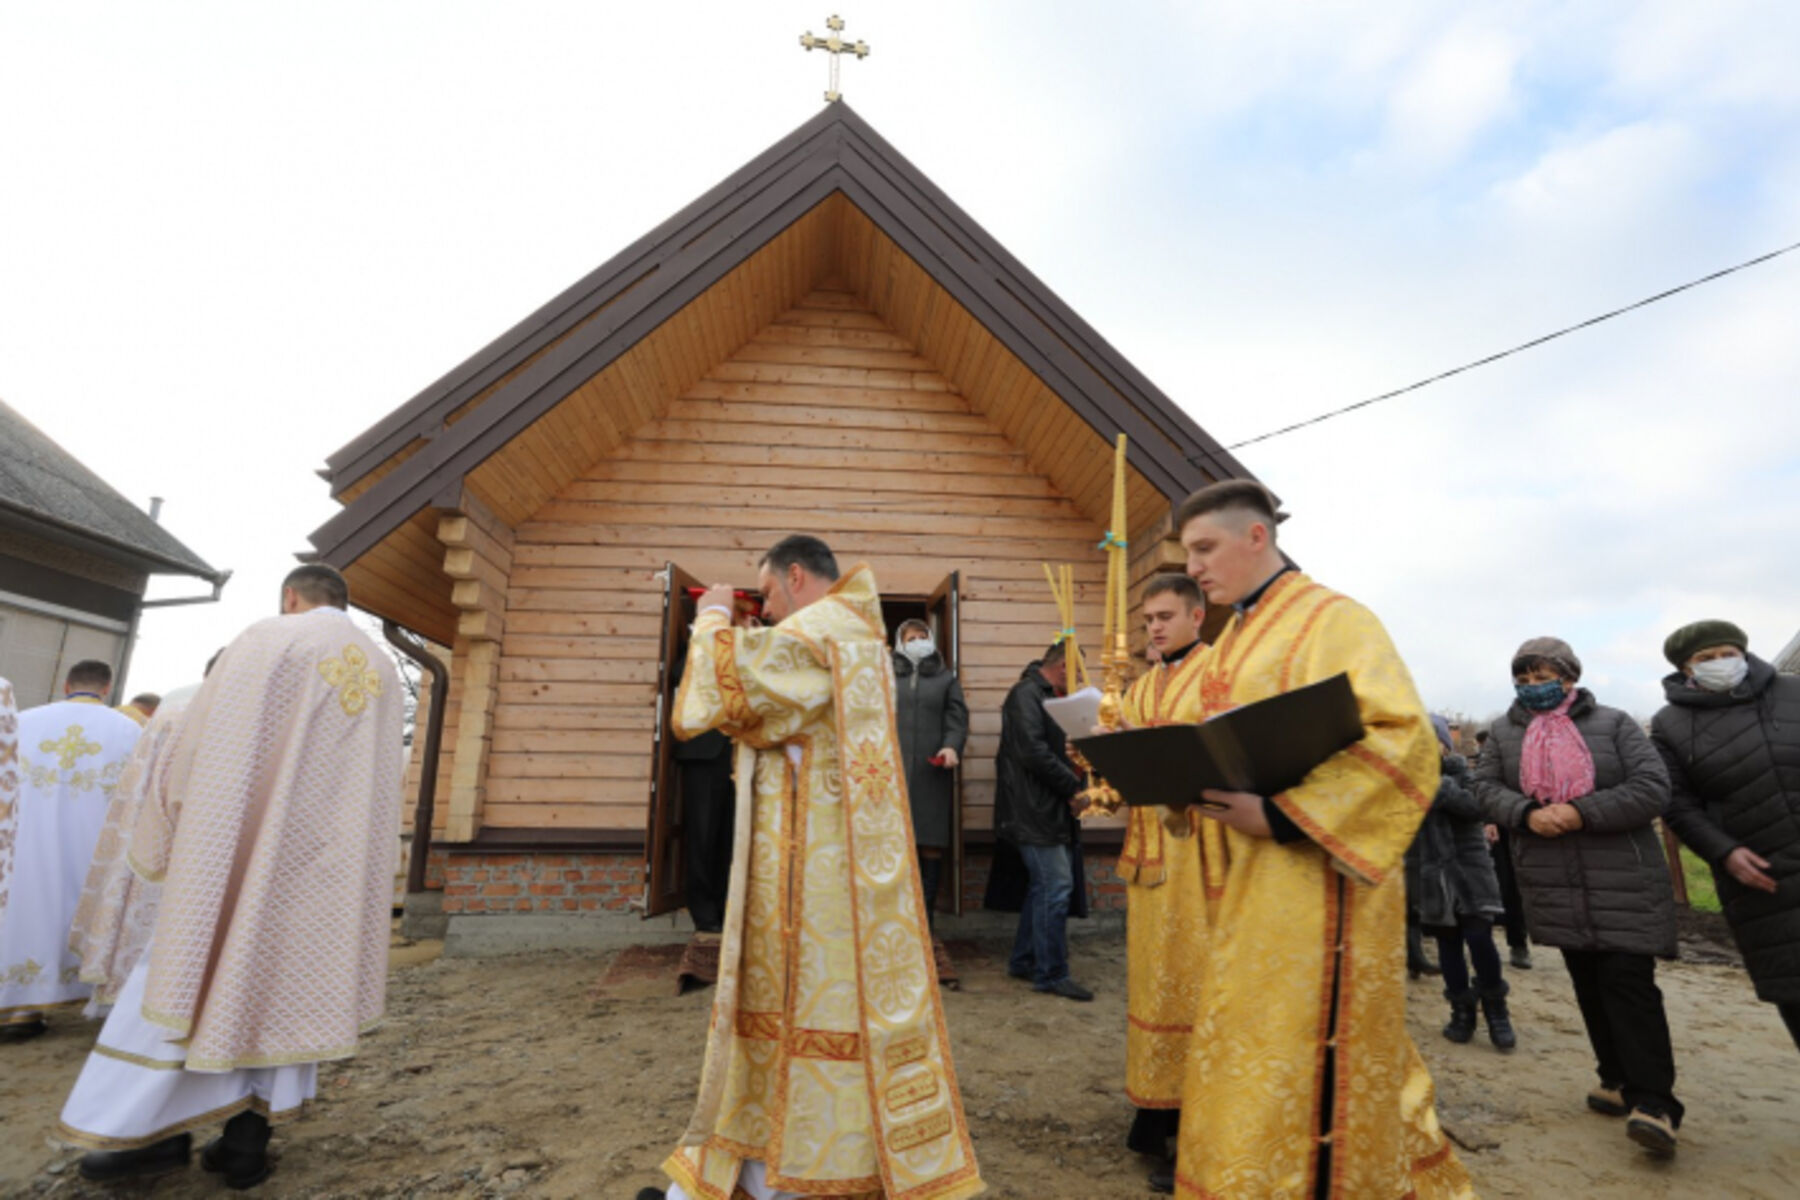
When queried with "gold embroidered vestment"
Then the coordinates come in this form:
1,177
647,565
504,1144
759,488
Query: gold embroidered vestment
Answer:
827,1059
1165,907
1297,925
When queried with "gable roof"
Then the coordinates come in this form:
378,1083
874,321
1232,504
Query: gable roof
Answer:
1788,657
422,453
46,491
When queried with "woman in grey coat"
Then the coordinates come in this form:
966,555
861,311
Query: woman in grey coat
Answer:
1730,738
1458,897
1580,787
933,722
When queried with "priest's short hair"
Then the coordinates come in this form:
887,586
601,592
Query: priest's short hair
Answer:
813,555
1182,586
90,675
1245,496
317,583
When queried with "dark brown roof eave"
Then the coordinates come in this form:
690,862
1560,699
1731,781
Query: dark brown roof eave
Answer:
835,151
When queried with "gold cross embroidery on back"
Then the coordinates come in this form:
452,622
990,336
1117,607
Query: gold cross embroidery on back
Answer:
354,679
71,747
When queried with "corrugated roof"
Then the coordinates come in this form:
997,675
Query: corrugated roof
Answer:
52,492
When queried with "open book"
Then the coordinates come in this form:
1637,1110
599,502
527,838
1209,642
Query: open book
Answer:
1264,748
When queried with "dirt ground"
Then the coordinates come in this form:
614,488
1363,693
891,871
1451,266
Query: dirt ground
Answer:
504,1077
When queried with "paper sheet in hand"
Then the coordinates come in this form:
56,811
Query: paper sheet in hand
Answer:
1263,748
1078,713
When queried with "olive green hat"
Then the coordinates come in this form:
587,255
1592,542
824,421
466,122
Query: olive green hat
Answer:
1690,640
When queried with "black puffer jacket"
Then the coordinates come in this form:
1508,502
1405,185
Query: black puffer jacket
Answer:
1033,779
930,714
1605,887
1455,871
1734,773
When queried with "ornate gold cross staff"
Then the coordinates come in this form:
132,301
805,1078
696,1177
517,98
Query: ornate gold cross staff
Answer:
834,45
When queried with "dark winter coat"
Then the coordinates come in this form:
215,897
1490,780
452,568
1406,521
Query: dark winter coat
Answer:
1455,875
1606,886
930,714
1033,779
1734,774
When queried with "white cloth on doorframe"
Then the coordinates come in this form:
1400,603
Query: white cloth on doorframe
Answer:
750,1182
71,754
133,1090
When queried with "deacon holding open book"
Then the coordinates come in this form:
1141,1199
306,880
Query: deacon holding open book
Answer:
1302,1080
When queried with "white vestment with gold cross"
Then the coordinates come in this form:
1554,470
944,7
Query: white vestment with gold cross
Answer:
273,836
70,756
828,1069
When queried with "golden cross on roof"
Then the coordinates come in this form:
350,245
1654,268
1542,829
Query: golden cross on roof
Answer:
834,45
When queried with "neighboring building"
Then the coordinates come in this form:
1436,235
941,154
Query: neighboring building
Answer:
75,558
1788,659
822,343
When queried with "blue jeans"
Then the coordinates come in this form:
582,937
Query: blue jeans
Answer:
1042,945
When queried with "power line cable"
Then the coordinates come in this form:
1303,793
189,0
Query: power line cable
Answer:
1538,341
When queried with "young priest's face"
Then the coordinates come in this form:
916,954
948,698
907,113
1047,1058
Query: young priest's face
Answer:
1228,554
1169,622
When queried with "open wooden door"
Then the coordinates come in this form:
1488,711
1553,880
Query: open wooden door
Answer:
944,617
665,846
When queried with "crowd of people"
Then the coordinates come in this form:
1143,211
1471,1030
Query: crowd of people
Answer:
1549,830
192,872
216,882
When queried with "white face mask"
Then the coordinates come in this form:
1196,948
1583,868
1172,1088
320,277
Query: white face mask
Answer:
1721,674
919,649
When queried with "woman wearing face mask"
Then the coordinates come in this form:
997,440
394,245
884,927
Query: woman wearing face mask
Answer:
1579,786
934,724
1730,737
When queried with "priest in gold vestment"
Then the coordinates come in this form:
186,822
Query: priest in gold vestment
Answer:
1303,1081
827,1069
1165,900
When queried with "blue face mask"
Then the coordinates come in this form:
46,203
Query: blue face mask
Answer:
1540,697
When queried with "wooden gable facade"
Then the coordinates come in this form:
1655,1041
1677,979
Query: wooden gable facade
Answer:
823,343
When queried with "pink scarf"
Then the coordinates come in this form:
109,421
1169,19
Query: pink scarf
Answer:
1556,765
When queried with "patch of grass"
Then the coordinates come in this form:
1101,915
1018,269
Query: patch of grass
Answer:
1703,896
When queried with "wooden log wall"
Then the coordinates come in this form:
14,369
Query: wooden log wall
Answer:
825,422
478,557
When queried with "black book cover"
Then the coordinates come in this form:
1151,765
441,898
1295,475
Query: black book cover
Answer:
1264,748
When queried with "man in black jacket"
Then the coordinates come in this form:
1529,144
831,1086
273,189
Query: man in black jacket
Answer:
1032,809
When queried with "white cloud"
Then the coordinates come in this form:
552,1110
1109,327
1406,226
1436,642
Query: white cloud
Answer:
1453,92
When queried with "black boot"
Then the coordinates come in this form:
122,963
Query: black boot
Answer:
1499,1021
23,1031
1416,963
1461,1026
242,1154
158,1158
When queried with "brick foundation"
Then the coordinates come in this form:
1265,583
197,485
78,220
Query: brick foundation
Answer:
565,882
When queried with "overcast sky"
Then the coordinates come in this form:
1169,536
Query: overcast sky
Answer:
235,235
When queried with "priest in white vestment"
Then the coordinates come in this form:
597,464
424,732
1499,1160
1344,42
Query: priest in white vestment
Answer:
9,785
117,908
828,1069
71,753
273,840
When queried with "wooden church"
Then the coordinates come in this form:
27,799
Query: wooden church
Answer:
823,343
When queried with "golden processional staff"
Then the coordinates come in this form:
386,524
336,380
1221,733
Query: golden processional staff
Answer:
1115,644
